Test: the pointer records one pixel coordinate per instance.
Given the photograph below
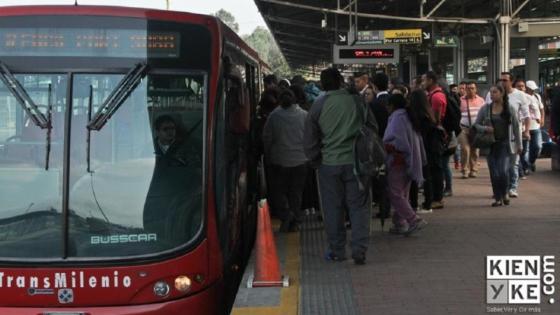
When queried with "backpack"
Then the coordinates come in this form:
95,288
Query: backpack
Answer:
452,119
369,154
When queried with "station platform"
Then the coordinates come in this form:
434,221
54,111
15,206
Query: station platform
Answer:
439,270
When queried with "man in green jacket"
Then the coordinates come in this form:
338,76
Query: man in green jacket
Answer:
331,126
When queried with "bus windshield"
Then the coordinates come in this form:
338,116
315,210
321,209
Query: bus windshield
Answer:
134,185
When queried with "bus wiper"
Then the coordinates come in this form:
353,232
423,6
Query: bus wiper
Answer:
90,108
49,128
13,85
117,97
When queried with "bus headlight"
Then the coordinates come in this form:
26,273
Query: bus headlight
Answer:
161,289
183,283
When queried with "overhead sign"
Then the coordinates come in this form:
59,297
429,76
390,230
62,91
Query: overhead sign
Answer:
366,54
342,38
404,36
409,36
370,37
446,41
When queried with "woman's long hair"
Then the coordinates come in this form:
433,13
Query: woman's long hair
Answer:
419,111
506,114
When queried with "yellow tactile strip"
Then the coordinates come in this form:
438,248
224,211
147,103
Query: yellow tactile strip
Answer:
289,297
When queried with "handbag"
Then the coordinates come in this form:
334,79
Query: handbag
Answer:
483,139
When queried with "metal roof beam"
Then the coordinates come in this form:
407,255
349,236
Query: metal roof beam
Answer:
301,37
435,8
296,23
381,16
519,8
291,51
300,45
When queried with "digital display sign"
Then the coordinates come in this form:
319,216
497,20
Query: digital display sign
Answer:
367,53
88,42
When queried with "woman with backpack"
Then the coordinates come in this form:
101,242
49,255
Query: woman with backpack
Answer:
404,161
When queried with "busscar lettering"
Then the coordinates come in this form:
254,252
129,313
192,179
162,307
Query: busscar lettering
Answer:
123,238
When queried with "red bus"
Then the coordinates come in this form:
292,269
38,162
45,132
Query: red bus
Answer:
128,177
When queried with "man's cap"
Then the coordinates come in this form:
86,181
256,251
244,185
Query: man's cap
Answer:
532,85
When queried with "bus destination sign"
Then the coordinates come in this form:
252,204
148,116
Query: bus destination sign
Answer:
69,42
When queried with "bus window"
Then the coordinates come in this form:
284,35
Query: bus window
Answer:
31,195
143,193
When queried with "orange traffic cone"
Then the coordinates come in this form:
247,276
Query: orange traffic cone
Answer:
267,265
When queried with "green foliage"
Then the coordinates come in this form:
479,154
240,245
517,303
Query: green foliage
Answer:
227,18
262,41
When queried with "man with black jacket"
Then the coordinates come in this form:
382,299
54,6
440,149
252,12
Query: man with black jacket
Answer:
380,104
379,108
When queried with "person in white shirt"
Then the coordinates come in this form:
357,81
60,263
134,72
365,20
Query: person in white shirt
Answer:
520,103
536,112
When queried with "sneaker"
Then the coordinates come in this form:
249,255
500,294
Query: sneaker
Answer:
497,203
506,201
513,193
472,175
424,211
464,176
359,259
523,177
329,256
437,204
416,226
448,193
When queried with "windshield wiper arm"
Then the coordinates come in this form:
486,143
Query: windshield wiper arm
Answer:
117,97
49,128
17,90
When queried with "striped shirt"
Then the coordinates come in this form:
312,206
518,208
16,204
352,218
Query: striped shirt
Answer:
474,106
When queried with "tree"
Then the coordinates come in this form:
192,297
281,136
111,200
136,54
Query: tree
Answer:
227,18
262,41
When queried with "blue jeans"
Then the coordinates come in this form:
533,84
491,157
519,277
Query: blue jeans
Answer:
499,167
524,158
535,146
514,171
339,190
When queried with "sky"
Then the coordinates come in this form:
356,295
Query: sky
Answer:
244,11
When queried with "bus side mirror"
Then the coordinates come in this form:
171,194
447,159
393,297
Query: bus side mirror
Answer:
239,108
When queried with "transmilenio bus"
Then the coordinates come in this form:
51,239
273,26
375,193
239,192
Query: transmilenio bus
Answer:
128,177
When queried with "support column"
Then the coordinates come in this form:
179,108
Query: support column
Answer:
413,68
460,61
504,45
532,60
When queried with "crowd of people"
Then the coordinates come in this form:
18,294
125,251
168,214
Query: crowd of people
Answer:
309,135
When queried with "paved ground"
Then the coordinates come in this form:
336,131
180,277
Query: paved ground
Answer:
440,270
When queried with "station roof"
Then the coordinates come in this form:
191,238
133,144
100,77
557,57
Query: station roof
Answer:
297,24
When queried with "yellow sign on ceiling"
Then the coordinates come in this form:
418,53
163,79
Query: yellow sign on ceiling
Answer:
408,33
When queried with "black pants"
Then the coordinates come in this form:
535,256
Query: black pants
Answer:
381,196
413,195
286,190
433,184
